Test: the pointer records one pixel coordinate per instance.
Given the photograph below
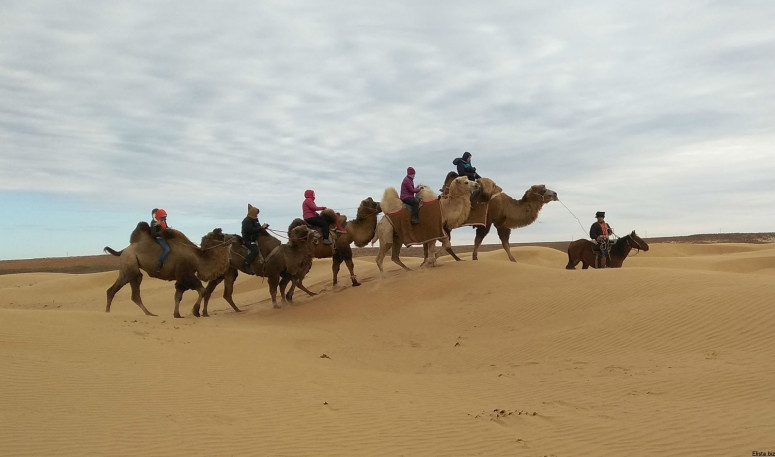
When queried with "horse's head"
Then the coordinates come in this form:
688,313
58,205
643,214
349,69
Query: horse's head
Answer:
547,195
638,242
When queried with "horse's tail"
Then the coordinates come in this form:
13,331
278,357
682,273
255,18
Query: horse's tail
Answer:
110,250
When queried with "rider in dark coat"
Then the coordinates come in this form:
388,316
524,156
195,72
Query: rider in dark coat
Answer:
599,232
251,228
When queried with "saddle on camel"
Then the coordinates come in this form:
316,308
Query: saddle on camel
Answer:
430,226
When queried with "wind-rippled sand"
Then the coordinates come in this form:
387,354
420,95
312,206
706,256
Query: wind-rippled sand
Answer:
672,355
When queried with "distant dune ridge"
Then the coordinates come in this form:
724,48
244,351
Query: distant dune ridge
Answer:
674,354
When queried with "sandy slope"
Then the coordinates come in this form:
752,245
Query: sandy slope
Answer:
672,355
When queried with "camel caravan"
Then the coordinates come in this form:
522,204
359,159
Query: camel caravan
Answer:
417,216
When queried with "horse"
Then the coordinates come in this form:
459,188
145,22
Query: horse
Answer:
581,251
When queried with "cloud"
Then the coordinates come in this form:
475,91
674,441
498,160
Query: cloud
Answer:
203,105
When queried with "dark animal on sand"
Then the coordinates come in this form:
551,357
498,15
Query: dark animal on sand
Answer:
581,251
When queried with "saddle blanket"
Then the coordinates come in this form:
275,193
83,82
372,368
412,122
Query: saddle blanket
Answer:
478,214
429,228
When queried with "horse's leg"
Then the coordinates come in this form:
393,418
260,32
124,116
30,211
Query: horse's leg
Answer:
481,232
111,292
228,289
503,234
571,264
211,285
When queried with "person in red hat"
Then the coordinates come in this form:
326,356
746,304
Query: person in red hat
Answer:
408,195
158,224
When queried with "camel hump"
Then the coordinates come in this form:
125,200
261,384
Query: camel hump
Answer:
177,235
137,234
295,223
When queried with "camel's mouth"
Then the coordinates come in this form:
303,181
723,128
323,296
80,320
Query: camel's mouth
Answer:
551,196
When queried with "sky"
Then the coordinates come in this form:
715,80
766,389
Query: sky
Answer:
660,113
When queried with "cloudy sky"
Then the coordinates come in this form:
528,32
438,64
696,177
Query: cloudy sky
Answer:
660,113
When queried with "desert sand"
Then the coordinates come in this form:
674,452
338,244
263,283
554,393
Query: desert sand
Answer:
672,355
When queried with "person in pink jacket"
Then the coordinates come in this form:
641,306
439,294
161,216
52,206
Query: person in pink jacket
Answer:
310,213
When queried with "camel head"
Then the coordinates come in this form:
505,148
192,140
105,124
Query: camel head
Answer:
540,190
213,238
638,242
462,185
368,207
303,234
488,187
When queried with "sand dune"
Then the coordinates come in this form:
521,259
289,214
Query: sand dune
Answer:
674,354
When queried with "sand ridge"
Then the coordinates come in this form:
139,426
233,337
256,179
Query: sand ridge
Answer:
671,355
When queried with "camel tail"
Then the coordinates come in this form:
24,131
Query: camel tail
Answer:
110,250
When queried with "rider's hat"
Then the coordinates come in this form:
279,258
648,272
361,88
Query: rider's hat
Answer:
600,214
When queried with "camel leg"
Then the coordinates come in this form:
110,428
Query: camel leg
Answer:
178,298
351,267
303,288
111,292
445,242
395,257
335,264
287,298
228,289
273,281
135,283
481,232
381,255
503,234
211,285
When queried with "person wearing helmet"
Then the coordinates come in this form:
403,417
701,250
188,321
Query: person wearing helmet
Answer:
158,224
408,195
251,228
310,213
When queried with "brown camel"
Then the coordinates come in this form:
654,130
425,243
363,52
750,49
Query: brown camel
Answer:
507,213
187,264
360,231
455,208
277,262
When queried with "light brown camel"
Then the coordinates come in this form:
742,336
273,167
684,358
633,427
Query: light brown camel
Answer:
277,262
455,208
186,264
360,231
507,213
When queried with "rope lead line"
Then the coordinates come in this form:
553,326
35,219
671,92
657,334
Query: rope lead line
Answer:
574,216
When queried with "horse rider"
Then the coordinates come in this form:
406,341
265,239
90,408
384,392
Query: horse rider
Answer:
310,213
158,224
599,232
251,228
408,195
